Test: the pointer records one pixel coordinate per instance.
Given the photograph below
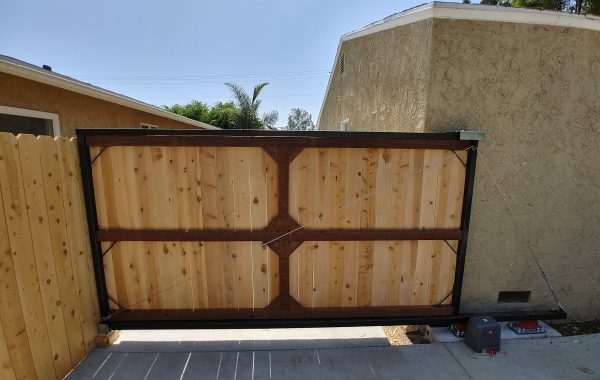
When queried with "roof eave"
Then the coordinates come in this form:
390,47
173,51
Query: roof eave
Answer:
69,84
458,11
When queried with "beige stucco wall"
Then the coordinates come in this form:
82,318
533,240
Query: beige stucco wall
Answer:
535,91
376,99
76,110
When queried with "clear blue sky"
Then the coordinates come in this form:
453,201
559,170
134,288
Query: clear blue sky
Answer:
166,52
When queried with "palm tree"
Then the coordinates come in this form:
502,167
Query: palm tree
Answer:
247,115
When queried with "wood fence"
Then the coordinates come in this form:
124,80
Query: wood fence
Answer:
48,303
272,226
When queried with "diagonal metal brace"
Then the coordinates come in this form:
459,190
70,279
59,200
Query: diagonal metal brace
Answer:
98,155
461,160
448,244
109,248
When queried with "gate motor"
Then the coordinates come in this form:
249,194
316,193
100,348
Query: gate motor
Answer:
483,335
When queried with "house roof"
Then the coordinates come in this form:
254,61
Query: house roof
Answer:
480,12
26,70
458,11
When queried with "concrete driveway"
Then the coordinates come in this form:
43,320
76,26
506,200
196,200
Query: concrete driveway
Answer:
345,357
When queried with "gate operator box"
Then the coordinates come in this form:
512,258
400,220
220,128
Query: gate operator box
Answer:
483,335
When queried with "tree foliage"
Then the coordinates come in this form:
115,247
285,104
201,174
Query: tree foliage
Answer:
242,113
300,120
222,115
194,110
269,119
574,6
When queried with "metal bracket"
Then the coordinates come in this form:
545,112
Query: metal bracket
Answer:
109,248
448,244
472,135
461,160
98,155
445,298
121,307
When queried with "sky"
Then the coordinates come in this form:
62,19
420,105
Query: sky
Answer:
167,52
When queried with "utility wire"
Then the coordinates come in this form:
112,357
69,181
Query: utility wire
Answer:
216,76
512,215
200,81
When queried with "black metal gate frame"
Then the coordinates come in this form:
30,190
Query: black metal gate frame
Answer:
283,146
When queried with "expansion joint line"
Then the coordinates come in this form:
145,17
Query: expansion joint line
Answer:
512,215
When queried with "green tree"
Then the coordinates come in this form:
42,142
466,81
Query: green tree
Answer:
194,110
556,5
222,115
247,106
269,119
575,6
300,120
586,6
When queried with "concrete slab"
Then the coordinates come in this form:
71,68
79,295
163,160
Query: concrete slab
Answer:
444,335
251,334
247,340
547,358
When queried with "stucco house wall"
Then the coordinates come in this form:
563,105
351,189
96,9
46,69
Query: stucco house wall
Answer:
535,91
381,99
76,110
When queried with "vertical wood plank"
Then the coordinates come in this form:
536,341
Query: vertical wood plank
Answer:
15,208
225,187
214,274
186,211
365,273
271,173
305,273
394,274
353,200
337,173
350,279
37,182
199,282
151,264
208,180
321,273
294,192
384,176
369,179
295,275
60,246
273,275
260,273
10,305
7,371
258,189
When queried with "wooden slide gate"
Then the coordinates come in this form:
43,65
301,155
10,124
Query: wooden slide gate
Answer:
197,228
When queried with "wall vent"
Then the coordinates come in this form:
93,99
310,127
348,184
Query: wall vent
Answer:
342,63
513,296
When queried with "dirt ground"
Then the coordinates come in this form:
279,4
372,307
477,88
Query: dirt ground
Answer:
577,328
404,335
